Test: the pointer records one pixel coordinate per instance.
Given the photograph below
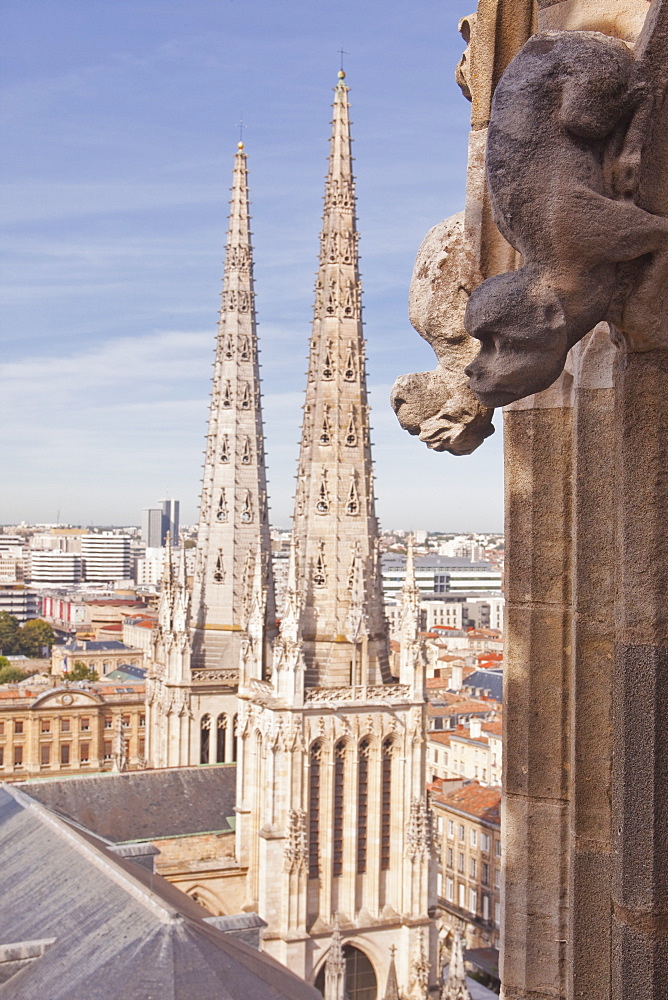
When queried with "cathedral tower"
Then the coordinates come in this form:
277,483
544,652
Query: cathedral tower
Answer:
335,522
332,819
233,581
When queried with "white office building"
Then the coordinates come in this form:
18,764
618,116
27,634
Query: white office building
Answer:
106,557
49,567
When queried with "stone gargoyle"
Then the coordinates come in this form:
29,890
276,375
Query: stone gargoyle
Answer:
569,120
438,405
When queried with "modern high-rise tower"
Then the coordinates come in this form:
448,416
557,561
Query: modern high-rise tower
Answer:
333,824
233,581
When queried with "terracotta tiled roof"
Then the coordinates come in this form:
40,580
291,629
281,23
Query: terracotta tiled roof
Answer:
493,728
442,738
461,708
476,800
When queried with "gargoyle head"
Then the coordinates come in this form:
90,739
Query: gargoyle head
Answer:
446,419
522,328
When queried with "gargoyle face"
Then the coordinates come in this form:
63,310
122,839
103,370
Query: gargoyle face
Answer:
444,417
521,327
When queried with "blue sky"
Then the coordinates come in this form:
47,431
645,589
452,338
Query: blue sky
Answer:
118,124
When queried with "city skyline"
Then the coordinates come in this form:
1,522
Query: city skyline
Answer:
120,233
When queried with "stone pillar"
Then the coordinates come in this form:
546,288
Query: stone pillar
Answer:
538,669
640,762
594,489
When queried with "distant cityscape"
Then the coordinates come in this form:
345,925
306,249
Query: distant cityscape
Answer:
43,567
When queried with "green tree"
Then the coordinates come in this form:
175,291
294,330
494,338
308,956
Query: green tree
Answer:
80,672
9,674
34,635
9,633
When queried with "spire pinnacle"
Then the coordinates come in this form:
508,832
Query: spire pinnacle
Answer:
233,523
342,622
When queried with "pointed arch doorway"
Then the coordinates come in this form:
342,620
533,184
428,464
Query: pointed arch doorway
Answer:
361,981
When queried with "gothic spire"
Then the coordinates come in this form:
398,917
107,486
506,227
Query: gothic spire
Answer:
411,655
455,987
392,988
335,522
233,525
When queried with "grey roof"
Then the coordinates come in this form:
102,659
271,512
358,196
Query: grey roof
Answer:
94,926
144,805
396,560
126,672
94,645
486,680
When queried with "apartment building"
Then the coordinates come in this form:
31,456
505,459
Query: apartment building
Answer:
468,825
472,752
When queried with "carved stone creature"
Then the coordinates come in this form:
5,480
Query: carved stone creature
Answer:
562,163
438,405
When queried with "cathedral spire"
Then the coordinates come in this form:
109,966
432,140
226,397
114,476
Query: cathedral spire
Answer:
455,987
233,526
411,654
335,521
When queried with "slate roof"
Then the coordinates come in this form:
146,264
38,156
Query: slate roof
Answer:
94,646
486,680
144,805
102,928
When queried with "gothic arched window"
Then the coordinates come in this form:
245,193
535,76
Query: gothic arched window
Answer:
225,449
221,512
352,503
319,572
328,366
245,348
337,832
349,371
246,453
326,430
331,299
385,803
322,503
219,571
246,397
247,509
348,247
314,811
221,732
229,346
204,737
351,432
361,982
227,395
362,804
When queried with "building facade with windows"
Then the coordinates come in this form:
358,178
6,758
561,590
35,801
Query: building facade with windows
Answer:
473,752
71,729
106,557
468,824
103,657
